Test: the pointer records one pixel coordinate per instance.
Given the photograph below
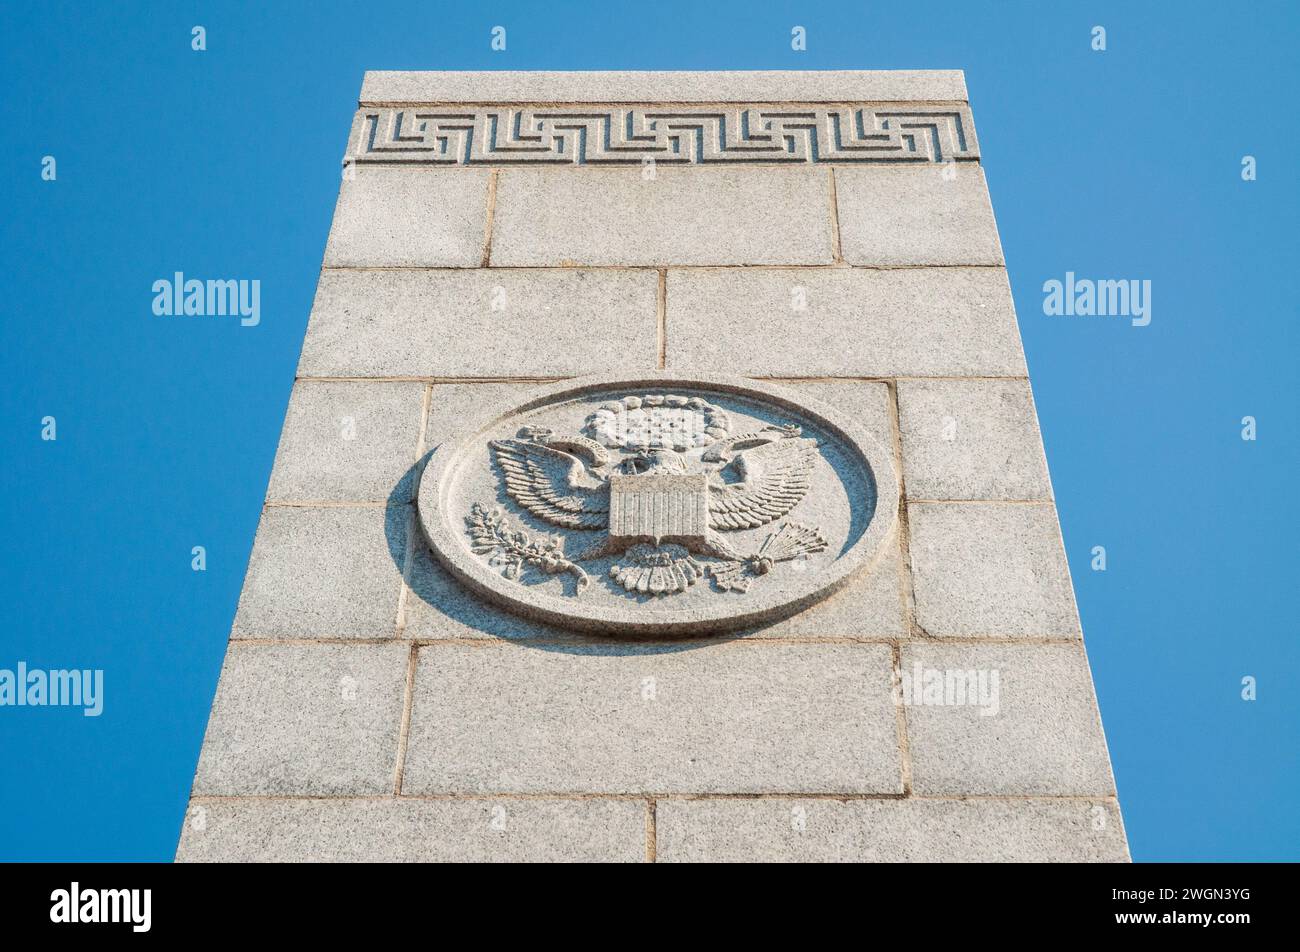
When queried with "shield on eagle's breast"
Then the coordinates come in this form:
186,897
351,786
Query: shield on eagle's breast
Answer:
659,508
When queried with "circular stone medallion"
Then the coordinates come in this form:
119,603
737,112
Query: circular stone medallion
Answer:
659,505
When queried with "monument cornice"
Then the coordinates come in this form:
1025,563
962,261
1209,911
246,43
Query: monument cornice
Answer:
674,86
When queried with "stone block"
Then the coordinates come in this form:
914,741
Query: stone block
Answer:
927,215
889,831
353,442
481,323
1030,726
318,720
415,831
742,86
695,216
843,322
990,569
971,439
398,218
322,572
650,718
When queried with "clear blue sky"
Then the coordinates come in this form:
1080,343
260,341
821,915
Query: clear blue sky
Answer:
1118,164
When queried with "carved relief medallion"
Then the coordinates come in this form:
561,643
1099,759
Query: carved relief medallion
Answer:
659,505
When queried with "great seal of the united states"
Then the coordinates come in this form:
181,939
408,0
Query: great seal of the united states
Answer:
659,505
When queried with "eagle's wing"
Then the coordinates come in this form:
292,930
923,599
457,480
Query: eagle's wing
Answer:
549,483
776,476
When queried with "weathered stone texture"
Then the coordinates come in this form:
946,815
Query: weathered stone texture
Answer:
990,569
646,719
890,831
841,322
424,831
501,322
1042,736
321,572
916,216
741,216
347,442
971,439
738,86
318,720
391,218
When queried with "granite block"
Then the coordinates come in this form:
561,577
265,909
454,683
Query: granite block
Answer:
1024,724
931,215
322,572
990,569
695,216
348,442
402,218
736,717
318,720
843,322
971,439
889,831
414,831
775,85
483,323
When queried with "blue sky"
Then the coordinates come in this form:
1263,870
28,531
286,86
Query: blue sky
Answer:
1117,164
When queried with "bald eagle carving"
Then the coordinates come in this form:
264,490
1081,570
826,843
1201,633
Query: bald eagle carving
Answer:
663,507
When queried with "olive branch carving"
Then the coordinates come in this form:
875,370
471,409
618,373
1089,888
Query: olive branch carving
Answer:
510,550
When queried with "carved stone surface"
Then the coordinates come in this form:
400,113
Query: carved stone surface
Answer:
679,135
668,505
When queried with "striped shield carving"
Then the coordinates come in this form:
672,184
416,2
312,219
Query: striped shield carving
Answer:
659,508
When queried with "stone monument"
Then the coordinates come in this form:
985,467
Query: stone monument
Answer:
661,481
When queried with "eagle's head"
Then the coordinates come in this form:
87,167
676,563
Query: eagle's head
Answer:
654,461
